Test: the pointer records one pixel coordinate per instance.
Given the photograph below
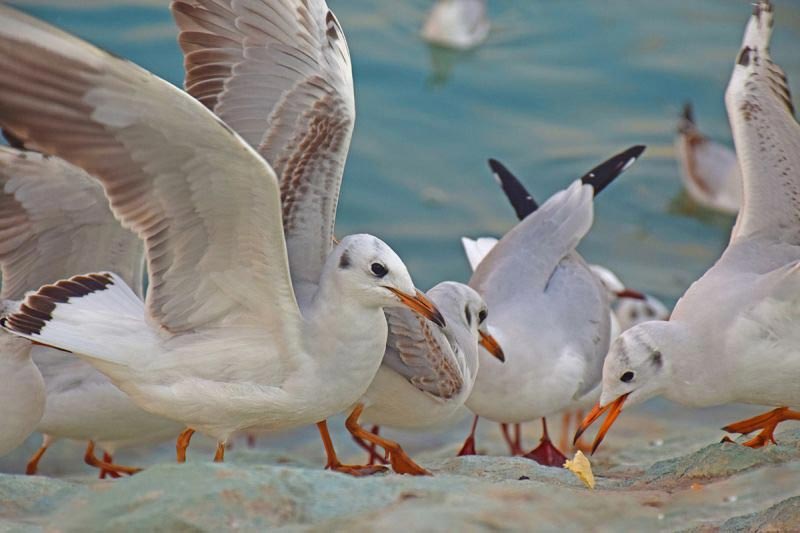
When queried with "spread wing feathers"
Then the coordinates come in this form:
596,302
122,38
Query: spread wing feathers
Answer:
767,137
420,352
532,250
278,72
55,223
204,202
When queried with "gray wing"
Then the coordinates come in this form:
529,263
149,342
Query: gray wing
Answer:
767,137
582,301
532,250
278,72
55,222
420,352
205,204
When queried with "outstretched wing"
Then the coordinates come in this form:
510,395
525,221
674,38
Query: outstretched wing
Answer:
767,137
278,72
532,250
419,351
55,223
205,204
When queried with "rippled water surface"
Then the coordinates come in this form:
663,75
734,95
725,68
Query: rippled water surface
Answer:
558,87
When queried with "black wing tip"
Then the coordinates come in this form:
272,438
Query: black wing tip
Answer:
496,166
37,309
636,150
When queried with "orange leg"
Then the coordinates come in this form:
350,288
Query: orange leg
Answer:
107,458
468,448
515,443
219,457
545,453
370,448
91,460
333,462
400,461
766,423
33,463
183,442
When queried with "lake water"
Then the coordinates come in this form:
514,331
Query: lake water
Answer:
558,87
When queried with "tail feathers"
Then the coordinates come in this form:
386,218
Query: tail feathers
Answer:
96,315
477,249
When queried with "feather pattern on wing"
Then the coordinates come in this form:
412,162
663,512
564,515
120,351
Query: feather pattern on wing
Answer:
767,137
279,73
420,352
55,222
204,202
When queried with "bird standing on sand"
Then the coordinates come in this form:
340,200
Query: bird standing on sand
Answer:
220,343
733,336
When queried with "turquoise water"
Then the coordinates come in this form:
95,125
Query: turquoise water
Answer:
558,87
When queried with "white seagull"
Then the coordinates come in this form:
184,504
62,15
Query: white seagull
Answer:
458,24
549,313
427,371
710,171
733,336
525,205
220,343
267,72
54,223
22,392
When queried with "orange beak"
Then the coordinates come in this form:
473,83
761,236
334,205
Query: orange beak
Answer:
420,304
492,346
613,409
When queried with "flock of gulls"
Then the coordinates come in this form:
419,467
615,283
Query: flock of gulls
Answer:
258,317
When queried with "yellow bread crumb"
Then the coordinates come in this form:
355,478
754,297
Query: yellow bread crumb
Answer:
581,467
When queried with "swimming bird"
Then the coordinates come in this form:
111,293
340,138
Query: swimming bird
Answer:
54,223
428,372
278,72
733,336
458,24
563,345
220,343
710,170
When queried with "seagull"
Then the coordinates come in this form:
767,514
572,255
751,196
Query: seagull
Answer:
55,222
457,24
266,70
733,336
525,206
220,343
710,170
428,372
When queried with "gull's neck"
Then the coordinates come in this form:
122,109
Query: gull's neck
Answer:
337,322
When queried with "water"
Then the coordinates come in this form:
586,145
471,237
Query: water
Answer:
558,87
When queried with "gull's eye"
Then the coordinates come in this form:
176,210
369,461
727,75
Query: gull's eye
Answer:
627,377
379,270
482,316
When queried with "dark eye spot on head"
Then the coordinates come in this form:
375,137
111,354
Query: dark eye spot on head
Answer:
744,56
482,316
650,312
344,260
657,360
468,315
627,377
379,270
633,314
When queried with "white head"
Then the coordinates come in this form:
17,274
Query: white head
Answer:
465,313
637,367
363,267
